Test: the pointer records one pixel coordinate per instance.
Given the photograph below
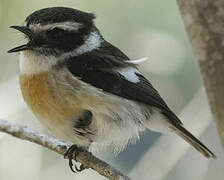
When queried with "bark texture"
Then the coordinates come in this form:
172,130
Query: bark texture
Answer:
84,157
204,21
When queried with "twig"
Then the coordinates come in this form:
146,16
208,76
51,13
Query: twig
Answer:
84,157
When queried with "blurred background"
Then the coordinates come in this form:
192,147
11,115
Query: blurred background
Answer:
146,28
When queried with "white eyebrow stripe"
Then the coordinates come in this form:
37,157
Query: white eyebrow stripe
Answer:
137,61
129,74
67,26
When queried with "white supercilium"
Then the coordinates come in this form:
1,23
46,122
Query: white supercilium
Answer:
67,26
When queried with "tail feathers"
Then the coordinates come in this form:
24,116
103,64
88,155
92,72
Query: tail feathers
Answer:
188,137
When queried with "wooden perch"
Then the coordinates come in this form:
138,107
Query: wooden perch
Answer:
204,21
84,157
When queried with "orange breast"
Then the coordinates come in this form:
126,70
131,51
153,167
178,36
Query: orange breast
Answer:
57,106
38,95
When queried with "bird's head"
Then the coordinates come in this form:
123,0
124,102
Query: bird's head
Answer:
57,31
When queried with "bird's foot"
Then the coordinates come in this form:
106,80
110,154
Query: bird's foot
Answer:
69,154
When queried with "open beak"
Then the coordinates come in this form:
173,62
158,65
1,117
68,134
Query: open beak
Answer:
25,30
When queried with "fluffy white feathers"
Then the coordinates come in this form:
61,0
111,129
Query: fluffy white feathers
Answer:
31,63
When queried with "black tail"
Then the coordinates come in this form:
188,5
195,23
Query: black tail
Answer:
187,136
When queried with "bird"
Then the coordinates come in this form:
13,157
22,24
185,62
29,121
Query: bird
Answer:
84,89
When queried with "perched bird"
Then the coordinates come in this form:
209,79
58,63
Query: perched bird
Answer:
85,90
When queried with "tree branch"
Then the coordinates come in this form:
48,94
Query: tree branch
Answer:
84,157
204,24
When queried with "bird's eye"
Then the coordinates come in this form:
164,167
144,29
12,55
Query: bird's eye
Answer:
55,33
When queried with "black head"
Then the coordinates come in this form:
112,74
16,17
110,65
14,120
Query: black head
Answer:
55,30
60,14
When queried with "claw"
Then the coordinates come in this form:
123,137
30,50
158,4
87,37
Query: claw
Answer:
81,168
69,154
66,155
70,150
71,166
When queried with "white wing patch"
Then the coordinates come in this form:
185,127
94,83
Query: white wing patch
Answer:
137,61
130,74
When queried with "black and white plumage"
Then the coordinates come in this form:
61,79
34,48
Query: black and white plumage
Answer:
97,95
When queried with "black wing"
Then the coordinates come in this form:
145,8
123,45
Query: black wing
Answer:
99,68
